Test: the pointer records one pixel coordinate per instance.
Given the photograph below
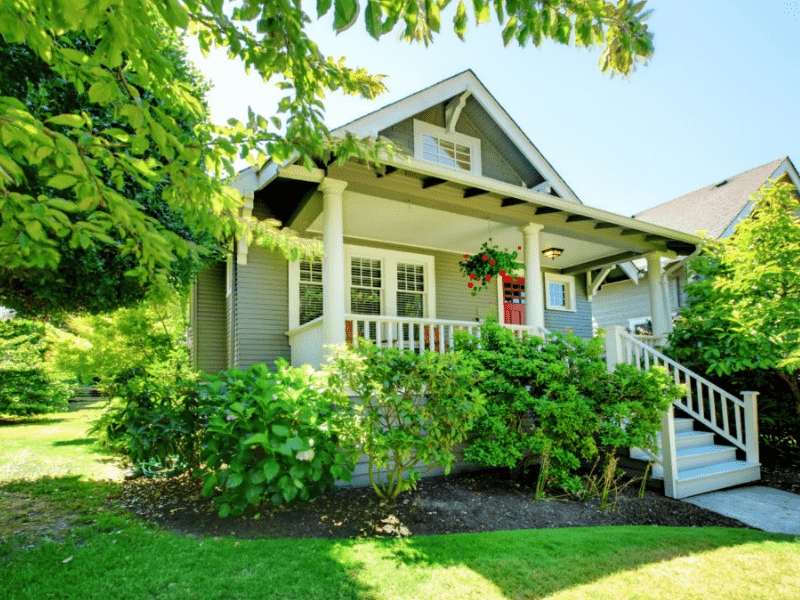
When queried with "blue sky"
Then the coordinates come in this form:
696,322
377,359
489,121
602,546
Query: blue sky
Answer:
719,97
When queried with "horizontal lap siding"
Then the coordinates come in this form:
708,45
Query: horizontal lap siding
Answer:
209,343
578,322
617,302
262,308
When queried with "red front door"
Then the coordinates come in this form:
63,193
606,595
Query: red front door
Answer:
513,300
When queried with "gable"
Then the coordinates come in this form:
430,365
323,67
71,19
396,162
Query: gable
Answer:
463,103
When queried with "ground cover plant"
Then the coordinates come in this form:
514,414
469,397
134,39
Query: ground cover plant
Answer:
552,402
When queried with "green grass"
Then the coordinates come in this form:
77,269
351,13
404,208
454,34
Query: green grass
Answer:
118,556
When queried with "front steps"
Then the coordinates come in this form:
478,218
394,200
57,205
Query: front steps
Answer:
703,466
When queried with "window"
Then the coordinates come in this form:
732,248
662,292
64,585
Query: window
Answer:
410,290
366,283
310,305
453,150
560,292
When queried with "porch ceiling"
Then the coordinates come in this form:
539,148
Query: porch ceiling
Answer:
411,202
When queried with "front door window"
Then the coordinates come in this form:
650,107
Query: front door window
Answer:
513,300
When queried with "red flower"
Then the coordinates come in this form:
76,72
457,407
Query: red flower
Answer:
485,257
519,247
493,262
472,276
502,272
470,284
466,256
488,278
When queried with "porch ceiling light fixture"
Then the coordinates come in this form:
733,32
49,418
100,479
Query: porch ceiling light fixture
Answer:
553,253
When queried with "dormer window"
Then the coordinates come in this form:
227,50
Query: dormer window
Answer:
453,150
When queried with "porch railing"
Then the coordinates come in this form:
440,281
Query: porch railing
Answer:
306,341
734,419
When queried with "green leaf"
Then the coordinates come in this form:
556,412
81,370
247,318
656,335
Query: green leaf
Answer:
281,431
323,6
372,15
345,13
271,469
67,120
235,479
258,438
61,181
102,91
224,510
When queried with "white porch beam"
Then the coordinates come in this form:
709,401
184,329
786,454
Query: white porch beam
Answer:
631,271
333,272
659,303
534,296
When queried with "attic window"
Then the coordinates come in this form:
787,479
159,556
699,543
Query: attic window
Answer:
452,150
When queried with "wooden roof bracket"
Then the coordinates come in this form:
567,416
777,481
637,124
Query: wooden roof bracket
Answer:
452,111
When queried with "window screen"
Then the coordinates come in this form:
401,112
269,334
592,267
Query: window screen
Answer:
310,290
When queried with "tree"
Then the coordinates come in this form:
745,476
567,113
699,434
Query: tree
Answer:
744,308
86,163
92,279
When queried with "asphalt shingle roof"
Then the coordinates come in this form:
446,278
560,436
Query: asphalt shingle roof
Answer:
714,207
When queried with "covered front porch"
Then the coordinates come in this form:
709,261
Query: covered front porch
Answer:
392,239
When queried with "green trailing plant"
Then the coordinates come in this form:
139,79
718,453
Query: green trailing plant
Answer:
411,410
277,436
488,263
557,394
27,386
544,472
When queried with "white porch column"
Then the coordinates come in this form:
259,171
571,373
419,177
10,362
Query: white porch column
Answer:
333,273
534,296
659,301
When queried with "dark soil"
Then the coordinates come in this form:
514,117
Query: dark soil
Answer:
471,502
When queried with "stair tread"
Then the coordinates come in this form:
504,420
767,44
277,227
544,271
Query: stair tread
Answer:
698,450
686,434
726,467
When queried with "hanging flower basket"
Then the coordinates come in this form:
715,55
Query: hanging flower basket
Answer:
488,263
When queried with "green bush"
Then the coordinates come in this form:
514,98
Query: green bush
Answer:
271,436
153,417
412,410
557,395
26,386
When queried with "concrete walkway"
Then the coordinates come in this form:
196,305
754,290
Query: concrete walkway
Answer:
769,509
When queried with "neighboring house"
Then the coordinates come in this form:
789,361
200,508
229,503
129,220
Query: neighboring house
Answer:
715,209
393,236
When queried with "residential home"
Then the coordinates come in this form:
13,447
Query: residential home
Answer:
714,211
393,235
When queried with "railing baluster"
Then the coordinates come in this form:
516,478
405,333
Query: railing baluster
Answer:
737,414
712,406
700,403
723,402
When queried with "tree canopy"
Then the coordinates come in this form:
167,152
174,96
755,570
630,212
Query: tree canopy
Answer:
87,163
744,308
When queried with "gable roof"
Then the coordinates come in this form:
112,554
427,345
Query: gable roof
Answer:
374,122
716,208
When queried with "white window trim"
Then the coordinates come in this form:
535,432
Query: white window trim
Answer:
636,321
474,144
229,276
569,291
389,259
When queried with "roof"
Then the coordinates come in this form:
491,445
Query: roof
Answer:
466,81
714,208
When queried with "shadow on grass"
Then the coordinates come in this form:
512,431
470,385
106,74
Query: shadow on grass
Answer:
536,564
76,442
27,421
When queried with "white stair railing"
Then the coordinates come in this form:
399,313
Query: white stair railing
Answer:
735,419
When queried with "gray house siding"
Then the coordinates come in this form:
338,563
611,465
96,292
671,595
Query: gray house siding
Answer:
578,322
618,302
209,340
493,165
262,308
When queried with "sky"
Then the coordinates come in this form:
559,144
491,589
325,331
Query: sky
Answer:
719,97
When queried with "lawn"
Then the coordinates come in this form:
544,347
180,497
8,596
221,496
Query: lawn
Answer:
101,554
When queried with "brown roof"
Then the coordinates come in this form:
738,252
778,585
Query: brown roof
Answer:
714,207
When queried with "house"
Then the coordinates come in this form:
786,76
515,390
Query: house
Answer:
393,235
715,210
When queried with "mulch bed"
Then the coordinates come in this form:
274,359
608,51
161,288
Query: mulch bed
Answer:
470,502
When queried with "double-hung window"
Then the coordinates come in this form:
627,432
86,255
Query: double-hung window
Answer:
310,284
559,292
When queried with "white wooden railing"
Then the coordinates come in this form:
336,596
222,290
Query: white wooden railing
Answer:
306,341
735,419
654,341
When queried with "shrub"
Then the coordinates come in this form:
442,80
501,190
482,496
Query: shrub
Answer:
153,416
412,410
26,387
557,394
271,436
